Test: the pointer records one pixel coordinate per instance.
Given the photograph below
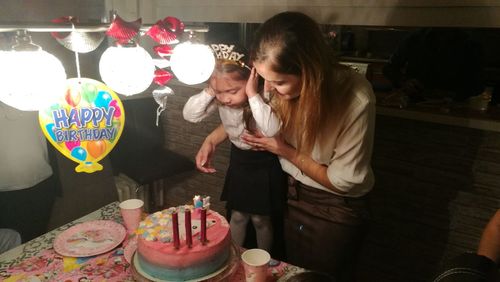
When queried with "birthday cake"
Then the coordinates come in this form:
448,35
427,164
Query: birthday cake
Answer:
165,252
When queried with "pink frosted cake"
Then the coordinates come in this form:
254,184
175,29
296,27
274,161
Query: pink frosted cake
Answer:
164,254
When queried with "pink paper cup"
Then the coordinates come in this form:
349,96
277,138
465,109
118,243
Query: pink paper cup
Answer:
131,211
255,263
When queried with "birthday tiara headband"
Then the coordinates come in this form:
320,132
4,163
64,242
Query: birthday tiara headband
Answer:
225,52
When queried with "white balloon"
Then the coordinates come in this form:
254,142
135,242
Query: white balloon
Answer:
127,70
31,80
192,63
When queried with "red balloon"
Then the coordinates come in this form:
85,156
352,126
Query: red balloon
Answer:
123,31
163,50
162,77
166,31
72,97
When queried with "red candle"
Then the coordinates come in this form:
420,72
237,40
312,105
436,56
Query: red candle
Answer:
203,217
187,221
175,229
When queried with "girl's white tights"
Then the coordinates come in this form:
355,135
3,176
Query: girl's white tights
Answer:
262,224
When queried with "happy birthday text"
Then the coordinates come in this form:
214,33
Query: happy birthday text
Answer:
223,51
80,118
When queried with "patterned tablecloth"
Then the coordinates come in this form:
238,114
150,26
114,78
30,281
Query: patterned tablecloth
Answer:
36,260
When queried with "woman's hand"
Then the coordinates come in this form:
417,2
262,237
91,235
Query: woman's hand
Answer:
304,163
252,84
276,144
204,157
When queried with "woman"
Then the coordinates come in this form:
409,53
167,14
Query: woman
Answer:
328,117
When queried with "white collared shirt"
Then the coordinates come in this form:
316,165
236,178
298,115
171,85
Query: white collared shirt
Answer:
347,152
202,105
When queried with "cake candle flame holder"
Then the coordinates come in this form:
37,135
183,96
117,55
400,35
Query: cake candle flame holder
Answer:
187,220
203,219
175,229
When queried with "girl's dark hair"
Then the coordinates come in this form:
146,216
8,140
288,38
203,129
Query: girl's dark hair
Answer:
243,73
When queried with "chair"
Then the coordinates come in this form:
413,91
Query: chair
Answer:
141,155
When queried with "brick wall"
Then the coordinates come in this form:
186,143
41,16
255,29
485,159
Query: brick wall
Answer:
185,138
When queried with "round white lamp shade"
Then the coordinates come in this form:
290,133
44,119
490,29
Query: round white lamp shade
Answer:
192,63
30,80
127,70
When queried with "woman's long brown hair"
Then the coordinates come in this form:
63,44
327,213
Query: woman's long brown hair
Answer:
293,44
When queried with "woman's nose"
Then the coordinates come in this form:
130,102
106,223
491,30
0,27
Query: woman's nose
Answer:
268,87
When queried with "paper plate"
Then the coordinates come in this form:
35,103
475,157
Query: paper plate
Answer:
90,238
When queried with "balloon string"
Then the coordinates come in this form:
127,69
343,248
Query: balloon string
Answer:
77,65
77,60
158,113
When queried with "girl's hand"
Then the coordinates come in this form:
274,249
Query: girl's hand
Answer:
252,84
276,144
204,157
210,91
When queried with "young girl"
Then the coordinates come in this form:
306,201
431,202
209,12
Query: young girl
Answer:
255,184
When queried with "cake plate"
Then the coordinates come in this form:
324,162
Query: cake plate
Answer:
221,274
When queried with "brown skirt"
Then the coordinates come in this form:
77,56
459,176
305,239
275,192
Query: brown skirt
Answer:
324,231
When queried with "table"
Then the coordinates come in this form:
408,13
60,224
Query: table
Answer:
37,260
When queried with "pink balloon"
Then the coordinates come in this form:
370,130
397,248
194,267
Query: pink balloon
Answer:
72,144
118,112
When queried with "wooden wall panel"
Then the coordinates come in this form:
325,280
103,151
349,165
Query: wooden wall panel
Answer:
436,187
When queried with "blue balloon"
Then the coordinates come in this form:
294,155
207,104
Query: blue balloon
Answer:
103,99
50,129
79,153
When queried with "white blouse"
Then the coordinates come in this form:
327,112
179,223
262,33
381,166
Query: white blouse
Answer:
202,105
347,153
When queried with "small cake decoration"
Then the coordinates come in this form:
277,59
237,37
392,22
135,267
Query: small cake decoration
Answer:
166,226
